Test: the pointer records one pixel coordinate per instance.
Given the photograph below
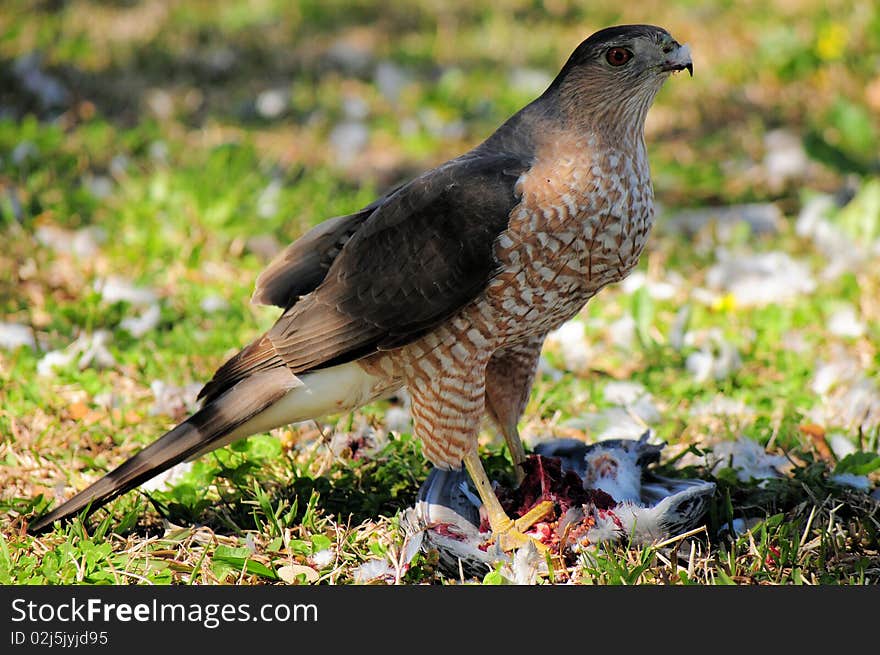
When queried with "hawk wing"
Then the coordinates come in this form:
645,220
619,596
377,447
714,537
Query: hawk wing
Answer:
406,263
422,255
303,265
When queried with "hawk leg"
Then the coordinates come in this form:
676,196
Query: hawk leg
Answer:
447,408
509,377
509,533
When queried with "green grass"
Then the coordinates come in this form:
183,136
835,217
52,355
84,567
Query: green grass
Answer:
163,151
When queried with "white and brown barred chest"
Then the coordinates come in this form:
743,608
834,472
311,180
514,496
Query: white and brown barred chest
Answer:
582,223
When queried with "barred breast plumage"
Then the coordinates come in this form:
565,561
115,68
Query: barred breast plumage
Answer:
585,213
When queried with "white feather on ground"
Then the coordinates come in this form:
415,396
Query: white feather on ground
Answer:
138,326
117,289
716,360
90,351
849,398
174,400
13,335
748,458
759,279
571,341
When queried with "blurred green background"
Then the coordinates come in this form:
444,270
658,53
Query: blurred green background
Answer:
380,90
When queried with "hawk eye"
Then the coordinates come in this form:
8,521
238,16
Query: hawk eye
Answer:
618,56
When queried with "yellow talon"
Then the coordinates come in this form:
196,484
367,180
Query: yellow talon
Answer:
534,515
509,534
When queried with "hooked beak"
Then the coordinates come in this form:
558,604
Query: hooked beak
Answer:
678,60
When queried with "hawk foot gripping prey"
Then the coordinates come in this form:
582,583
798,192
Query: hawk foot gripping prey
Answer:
508,533
447,284
596,494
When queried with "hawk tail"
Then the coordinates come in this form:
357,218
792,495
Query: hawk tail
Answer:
265,400
218,423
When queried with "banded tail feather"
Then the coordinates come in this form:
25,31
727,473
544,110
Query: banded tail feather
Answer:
254,405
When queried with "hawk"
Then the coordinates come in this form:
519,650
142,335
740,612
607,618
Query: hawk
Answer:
448,284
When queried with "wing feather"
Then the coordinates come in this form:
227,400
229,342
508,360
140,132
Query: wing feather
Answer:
422,255
380,278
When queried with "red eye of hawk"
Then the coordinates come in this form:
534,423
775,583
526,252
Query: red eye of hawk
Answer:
618,56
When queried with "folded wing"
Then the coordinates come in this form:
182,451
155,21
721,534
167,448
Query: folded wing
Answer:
384,276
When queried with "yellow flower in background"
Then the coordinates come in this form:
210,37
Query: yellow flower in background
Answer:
831,41
725,303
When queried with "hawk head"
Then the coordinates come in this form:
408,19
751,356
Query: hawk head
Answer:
612,77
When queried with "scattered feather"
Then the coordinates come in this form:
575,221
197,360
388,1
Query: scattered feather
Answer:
83,243
760,279
658,290
717,359
812,223
748,458
47,89
411,547
118,289
350,55
762,218
172,400
53,360
571,341
845,323
623,392
610,423
784,158
272,103
90,351
546,368
850,399
527,564
348,139
634,398
723,406
158,151
13,335
858,482
831,374
138,326
264,246
529,81
213,303
398,419
622,332
391,79
23,151
268,200
847,235
678,333
841,445
373,569
323,558
100,186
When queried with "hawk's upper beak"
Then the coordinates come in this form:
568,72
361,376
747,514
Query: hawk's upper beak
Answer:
679,59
